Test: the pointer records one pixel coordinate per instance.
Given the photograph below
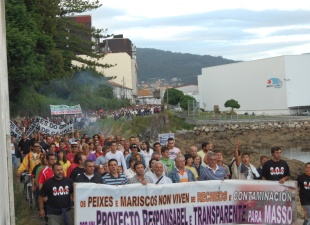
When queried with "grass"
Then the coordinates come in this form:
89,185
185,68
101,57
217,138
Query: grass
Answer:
23,215
163,122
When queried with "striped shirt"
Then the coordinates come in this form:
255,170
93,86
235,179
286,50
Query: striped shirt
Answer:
111,180
135,179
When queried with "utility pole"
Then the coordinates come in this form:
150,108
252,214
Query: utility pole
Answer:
7,215
123,89
167,98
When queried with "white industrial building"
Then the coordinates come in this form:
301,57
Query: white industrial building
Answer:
273,86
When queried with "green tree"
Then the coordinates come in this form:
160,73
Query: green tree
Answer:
174,96
233,104
42,42
186,99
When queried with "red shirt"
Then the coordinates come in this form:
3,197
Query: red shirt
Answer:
98,154
70,157
71,167
45,174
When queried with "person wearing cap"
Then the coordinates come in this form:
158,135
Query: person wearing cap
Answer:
71,151
134,149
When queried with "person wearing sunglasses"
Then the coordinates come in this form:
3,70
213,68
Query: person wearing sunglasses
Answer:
31,159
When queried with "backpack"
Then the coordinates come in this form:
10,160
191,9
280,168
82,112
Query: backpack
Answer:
230,168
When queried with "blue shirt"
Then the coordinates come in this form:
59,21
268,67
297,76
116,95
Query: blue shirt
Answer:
208,173
109,179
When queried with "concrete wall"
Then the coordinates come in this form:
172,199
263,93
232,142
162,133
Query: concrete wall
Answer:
247,82
125,69
297,70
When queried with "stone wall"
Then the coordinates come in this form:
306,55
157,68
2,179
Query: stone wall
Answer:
240,128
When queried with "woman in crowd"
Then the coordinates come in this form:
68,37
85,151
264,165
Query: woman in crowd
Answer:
91,147
150,170
147,152
130,172
189,165
98,151
197,164
62,159
88,154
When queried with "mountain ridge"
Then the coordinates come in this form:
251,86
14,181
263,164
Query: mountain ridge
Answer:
154,64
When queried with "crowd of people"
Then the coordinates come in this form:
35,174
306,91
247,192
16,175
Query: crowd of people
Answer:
82,121
56,162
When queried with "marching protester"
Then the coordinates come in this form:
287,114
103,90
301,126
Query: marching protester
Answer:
173,151
262,161
114,177
159,176
197,164
79,169
134,148
14,152
89,175
189,165
59,193
47,172
31,159
180,174
246,171
140,177
62,159
130,172
24,146
212,171
169,163
276,168
303,182
206,147
114,154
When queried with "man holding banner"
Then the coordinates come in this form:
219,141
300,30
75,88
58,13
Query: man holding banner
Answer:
159,176
140,177
180,174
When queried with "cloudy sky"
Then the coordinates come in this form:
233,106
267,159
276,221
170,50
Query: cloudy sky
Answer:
233,29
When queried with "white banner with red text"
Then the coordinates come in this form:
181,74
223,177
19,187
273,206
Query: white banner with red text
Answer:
65,109
194,203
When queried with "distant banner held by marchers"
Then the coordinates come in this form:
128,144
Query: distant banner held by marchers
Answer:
15,131
47,127
65,109
194,203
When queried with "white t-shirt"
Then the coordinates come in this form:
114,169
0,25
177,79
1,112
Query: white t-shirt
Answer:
147,156
164,179
173,153
118,156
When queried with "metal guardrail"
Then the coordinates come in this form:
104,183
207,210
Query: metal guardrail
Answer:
218,118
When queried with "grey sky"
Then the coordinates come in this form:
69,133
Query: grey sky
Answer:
239,31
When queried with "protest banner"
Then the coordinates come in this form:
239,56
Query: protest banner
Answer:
194,203
65,109
47,127
15,131
163,138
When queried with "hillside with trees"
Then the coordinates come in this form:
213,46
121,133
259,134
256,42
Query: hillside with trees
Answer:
42,41
158,64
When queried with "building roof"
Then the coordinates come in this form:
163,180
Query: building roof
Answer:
144,92
118,85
